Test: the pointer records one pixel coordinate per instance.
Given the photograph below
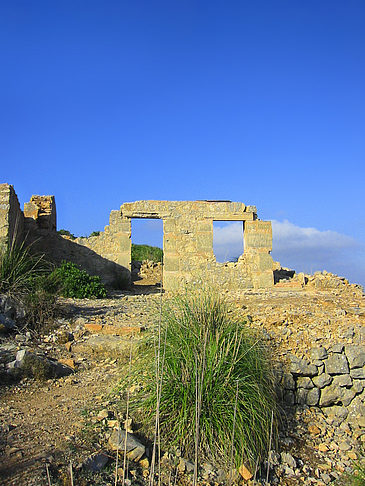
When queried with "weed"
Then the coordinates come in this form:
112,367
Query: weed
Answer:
357,477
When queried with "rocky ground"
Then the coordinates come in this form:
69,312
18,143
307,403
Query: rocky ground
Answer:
74,416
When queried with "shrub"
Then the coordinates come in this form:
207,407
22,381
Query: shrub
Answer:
210,354
95,233
146,252
77,283
64,232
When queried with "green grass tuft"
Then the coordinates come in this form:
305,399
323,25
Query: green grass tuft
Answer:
210,351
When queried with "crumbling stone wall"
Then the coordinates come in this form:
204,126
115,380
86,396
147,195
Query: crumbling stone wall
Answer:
187,240
11,216
40,213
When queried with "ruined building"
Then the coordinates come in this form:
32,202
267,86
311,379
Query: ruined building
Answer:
187,240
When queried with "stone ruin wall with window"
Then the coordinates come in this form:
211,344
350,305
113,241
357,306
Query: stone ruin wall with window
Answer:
187,240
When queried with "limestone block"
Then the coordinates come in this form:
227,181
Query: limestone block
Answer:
31,210
171,280
123,259
265,262
169,225
204,242
205,226
169,244
124,243
258,234
263,280
171,263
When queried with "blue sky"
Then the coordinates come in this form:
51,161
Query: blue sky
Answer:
103,102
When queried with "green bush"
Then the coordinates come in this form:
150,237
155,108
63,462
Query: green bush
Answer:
64,232
146,252
95,233
209,353
77,283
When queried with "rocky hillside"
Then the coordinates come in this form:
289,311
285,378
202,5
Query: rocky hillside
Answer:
60,399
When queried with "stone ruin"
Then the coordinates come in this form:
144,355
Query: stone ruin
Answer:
187,240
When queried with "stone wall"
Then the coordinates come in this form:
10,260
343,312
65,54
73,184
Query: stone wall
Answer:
187,240
331,379
11,216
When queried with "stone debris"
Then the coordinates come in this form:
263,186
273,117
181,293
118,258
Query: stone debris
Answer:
317,338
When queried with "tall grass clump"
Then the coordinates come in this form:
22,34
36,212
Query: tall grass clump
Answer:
216,394
26,278
19,267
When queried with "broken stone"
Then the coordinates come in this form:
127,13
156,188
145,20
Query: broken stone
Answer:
337,364
322,380
95,462
288,460
135,448
318,353
355,356
245,473
305,382
330,395
301,367
336,348
288,381
358,373
342,380
313,397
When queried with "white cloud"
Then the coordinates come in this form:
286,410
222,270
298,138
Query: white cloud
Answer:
299,248
288,236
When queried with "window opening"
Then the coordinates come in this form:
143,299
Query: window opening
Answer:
228,243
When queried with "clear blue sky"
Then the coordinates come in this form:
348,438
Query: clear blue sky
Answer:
103,102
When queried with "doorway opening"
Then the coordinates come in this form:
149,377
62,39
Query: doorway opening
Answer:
228,243
146,253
